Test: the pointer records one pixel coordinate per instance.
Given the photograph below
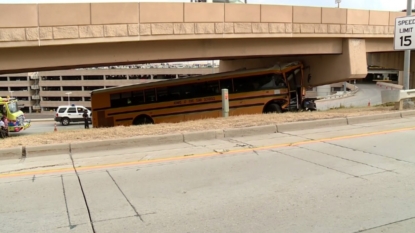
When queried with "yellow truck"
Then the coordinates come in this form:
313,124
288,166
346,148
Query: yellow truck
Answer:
15,117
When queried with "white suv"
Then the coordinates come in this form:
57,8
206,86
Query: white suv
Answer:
67,114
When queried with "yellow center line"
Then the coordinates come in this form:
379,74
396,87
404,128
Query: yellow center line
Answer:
210,154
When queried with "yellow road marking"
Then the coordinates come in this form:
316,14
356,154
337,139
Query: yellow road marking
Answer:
210,154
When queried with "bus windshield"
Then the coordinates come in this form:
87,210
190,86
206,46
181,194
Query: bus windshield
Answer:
13,107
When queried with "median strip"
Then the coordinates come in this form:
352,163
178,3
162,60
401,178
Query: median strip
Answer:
153,135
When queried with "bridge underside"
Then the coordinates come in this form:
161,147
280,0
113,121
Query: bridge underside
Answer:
324,69
330,59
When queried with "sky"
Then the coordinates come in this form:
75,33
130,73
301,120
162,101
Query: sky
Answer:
388,5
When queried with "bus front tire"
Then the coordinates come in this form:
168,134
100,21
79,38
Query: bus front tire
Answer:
65,121
273,108
142,120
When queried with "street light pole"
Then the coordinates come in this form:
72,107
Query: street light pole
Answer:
338,3
11,94
407,55
69,102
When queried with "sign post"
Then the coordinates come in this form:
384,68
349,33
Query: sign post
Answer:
405,40
225,103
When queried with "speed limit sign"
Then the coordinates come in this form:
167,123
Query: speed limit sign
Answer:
404,33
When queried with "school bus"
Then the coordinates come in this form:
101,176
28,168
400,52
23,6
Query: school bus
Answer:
267,90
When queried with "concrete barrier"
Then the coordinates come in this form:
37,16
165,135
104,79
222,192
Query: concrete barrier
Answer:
43,150
200,136
373,118
249,131
409,113
11,153
220,133
302,125
115,144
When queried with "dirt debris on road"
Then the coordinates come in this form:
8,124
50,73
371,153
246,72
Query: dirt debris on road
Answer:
79,135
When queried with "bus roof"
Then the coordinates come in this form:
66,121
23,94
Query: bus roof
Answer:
275,68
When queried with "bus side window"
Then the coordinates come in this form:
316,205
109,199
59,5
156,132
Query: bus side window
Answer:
227,84
138,97
205,89
125,99
175,93
115,100
150,95
162,94
187,91
244,84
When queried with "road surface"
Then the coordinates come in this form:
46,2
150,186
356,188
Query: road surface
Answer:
348,179
48,126
367,93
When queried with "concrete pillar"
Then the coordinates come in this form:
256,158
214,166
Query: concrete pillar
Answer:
152,76
400,78
177,76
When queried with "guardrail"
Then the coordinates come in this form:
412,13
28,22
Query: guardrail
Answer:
341,94
397,97
390,86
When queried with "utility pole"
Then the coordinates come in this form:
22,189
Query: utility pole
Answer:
407,55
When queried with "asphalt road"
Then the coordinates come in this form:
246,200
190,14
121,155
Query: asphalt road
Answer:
357,178
367,93
48,126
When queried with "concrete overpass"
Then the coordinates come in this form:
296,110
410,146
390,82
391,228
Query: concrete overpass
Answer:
334,42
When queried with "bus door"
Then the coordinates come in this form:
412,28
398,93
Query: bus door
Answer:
294,95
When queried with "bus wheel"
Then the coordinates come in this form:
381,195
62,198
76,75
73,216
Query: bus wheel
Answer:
142,120
65,121
273,108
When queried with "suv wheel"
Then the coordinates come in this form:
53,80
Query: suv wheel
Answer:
65,121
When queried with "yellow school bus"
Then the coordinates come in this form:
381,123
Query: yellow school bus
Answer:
267,90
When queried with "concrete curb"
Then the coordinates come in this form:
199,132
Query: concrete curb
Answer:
250,131
11,153
42,150
373,118
302,125
142,141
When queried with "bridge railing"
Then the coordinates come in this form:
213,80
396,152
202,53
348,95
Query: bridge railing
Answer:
397,97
